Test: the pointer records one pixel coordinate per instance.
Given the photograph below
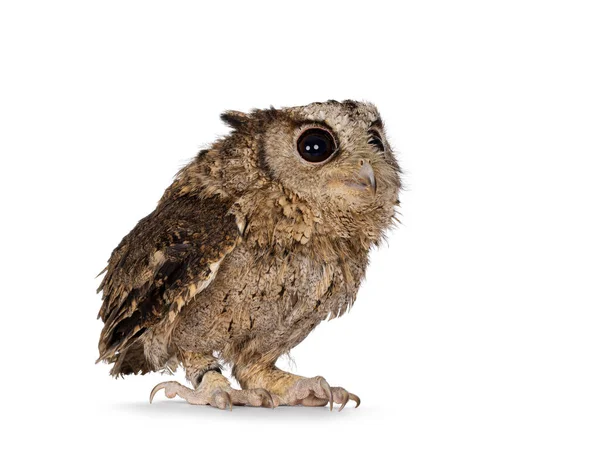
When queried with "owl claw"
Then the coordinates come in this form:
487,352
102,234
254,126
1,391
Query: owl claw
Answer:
325,386
266,395
219,397
172,388
317,392
307,391
222,400
345,398
342,396
355,399
156,388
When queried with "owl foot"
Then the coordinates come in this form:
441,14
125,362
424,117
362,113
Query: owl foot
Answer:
220,397
317,392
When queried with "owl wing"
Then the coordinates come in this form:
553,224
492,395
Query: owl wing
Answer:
169,256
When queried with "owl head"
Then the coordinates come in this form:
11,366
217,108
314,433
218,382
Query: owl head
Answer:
333,155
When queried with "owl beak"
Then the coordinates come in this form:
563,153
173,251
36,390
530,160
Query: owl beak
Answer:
366,177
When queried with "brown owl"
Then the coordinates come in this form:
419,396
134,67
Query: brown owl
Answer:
261,237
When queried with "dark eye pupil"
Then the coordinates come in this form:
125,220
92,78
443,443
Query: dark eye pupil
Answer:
315,145
376,141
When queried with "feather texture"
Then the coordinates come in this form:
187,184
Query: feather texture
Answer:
169,257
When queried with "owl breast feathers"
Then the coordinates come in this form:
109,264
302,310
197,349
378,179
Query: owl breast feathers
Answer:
258,239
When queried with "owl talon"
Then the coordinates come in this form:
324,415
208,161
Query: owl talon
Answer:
317,392
156,388
355,399
268,398
219,396
172,388
325,386
222,400
345,398
342,396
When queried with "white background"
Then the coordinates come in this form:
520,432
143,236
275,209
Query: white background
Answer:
477,326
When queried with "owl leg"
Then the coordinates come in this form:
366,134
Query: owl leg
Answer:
211,387
290,389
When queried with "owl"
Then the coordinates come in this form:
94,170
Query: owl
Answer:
259,238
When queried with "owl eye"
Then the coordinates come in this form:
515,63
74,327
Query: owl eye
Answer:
316,145
375,140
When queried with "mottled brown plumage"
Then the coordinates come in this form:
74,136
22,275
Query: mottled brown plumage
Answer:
248,250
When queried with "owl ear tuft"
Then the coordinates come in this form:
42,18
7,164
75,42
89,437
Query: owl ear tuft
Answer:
236,119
